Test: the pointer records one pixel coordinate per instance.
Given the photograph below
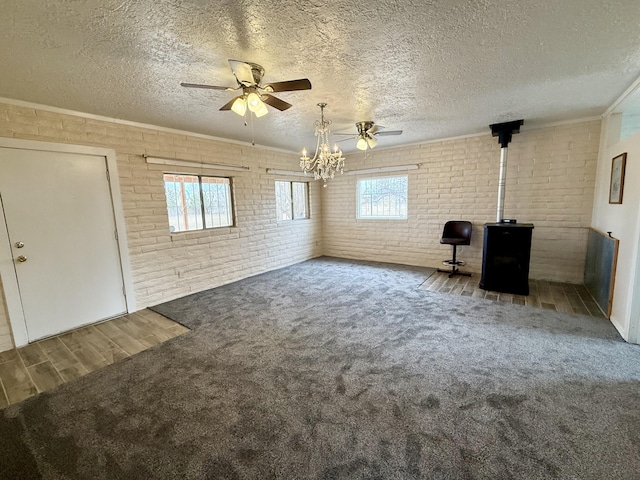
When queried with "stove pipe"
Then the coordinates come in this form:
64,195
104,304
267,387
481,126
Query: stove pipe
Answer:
503,131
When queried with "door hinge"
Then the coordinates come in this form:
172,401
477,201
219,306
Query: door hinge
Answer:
108,177
115,232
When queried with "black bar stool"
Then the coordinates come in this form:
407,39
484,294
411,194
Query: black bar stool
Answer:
456,232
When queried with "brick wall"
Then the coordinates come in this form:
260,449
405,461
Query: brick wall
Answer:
167,266
550,183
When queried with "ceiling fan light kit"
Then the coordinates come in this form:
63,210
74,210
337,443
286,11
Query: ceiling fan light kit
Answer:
366,142
255,96
367,131
239,106
262,111
324,163
255,103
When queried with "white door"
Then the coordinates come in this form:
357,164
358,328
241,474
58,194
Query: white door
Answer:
60,223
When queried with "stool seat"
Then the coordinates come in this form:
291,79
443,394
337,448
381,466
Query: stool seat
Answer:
455,241
455,232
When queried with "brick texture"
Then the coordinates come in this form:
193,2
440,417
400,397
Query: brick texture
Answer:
550,183
166,266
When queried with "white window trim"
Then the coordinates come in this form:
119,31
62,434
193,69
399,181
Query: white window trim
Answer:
380,217
205,229
307,200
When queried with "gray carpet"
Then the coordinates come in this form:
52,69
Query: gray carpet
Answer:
332,369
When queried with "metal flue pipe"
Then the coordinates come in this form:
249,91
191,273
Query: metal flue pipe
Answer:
502,181
503,131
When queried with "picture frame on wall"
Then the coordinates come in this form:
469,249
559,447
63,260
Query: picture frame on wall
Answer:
618,165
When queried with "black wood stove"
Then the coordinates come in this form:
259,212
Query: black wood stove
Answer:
507,244
505,257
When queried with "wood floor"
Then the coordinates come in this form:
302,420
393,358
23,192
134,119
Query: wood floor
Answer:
45,364
563,297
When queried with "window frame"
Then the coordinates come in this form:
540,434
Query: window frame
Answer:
202,210
292,201
359,215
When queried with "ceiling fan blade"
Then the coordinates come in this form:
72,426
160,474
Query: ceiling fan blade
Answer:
354,135
227,106
373,130
242,72
211,87
388,132
345,139
289,85
275,102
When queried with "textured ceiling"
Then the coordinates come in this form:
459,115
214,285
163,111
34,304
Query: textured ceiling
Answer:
434,69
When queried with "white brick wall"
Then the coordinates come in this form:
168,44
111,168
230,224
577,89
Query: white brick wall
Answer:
550,183
167,266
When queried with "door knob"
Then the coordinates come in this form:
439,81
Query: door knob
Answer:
21,258
19,244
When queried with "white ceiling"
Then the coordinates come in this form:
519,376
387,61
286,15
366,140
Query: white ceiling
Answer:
432,68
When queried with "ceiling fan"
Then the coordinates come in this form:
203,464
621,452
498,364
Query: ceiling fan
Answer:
254,95
367,131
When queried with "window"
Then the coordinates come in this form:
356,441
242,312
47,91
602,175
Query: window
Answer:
196,202
382,197
292,200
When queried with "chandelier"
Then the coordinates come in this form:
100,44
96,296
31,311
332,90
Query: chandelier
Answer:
324,163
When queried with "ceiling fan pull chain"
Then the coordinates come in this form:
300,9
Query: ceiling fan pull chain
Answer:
253,140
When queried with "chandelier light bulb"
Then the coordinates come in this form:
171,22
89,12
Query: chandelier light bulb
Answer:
324,163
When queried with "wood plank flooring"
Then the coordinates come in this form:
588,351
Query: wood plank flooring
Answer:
45,364
563,297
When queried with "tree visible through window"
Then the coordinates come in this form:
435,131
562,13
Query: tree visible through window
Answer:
382,197
292,200
196,202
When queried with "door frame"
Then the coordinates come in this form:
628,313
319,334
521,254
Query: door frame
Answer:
7,267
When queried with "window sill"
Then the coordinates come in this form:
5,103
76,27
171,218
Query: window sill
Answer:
208,232
295,220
